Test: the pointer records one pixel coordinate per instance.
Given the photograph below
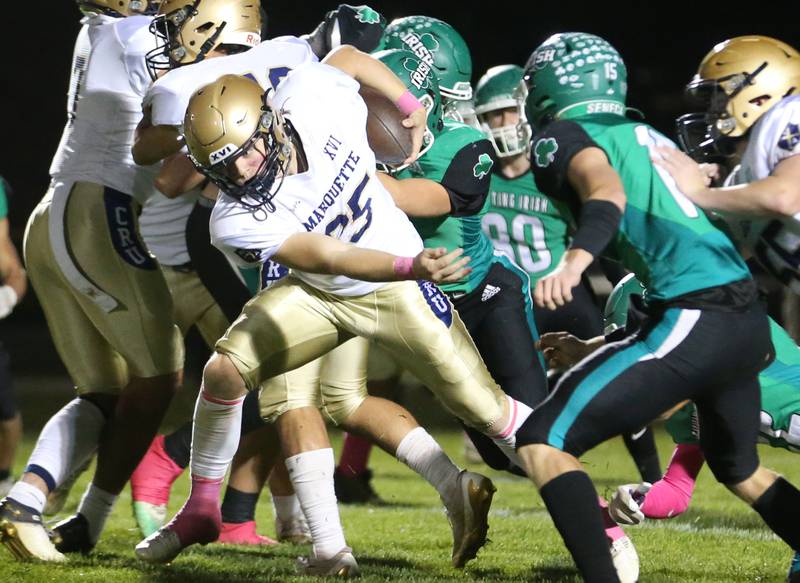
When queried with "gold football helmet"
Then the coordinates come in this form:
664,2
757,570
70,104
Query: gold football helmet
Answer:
119,8
736,83
186,30
227,119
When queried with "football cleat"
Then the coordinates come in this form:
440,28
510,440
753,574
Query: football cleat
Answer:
468,515
58,497
160,547
22,532
72,535
626,560
149,517
242,533
342,564
355,489
195,523
294,531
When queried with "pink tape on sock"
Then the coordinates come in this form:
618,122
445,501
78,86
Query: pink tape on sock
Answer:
670,496
407,103
613,530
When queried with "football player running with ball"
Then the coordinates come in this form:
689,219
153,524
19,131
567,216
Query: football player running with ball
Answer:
299,187
587,153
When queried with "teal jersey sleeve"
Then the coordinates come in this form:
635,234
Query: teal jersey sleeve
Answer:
525,225
3,200
663,238
448,231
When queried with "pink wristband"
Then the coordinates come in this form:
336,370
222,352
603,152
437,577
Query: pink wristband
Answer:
407,103
403,267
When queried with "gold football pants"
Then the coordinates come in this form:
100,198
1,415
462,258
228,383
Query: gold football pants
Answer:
291,324
104,297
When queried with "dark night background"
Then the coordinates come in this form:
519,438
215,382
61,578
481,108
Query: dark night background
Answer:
661,42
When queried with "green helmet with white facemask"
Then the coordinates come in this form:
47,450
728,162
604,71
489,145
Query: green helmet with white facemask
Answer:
572,74
615,314
499,88
421,82
438,44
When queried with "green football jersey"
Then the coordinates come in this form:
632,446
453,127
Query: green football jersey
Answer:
460,160
525,225
663,238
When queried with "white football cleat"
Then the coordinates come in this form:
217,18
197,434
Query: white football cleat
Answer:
24,534
468,515
160,547
342,564
626,560
293,531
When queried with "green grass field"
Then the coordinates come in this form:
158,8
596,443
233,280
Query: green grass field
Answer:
718,539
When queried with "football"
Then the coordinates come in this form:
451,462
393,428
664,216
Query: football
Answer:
388,138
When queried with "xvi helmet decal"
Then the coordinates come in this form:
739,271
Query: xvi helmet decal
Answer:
573,74
736,83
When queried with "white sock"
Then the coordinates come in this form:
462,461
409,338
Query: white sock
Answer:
311,473
420,452
506,440
28,495
96,506
67,440
215,437
287,508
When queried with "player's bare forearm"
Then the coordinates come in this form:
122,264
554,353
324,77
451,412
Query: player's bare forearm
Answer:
178,176
154,143
317,253
772,196
417,197
593,178
367,70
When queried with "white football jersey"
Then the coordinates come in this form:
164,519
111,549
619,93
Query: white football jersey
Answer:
109,78
339,195
775,243
162,225
267,64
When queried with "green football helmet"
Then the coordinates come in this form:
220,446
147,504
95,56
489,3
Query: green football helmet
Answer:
615,314
499,88
421,81
572,74
439,45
